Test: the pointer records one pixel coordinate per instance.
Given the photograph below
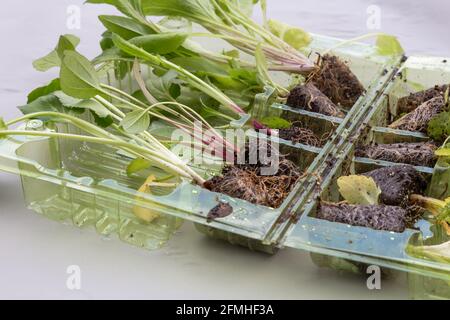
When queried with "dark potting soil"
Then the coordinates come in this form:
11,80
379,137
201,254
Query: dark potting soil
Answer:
378,217
337,81
244,181
308,97
416,154
398,183
414,100
298,134
419,119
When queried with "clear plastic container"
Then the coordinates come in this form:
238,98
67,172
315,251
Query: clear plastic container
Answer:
348,248
87,184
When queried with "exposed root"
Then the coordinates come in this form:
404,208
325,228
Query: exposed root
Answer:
416,154
379,217
245,182
299,134
337,81
398,183
418,119
309,98
414,100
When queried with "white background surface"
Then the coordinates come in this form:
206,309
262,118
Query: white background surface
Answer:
35,252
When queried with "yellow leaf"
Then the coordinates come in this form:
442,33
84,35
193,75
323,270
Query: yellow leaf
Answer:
389,45
443,152
359,190
148,215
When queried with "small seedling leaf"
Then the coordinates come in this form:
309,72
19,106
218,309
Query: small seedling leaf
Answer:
439,127
443,152
276,123
138,165
388,45
296,37
125,27
134,51
3,124
359,190
53,59
78,77
163,43
131,8
136,121
43,91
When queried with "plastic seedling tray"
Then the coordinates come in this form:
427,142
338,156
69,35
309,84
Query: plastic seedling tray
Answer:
344,247
87,184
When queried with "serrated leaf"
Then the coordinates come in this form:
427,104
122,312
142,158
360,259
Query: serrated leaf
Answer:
78,77
138,165
136,121
296,37
48,103
86,104
125,27
53,59
359,190
43,91
388,45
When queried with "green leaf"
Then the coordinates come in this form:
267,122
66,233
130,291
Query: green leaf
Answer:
106,41
388,45
3,124
87,104
198,64
131,8
137,165
134,51
66,43
245,6
162,43
78,77
443,152
175,90
48,103
193,9
276,123
103,122
439,127
136,122
125,27
45,90
162,87
296,37
53,59
359,190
